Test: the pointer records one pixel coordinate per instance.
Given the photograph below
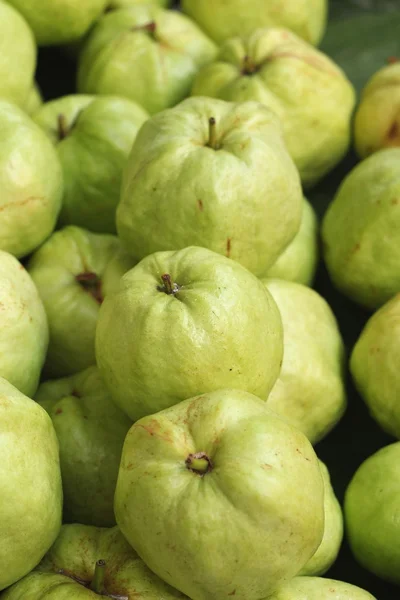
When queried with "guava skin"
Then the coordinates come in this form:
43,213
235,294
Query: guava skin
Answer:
24,333
179,191
374,366
17,55
56,22
91,432
67,571
30,482
371,510
93,136
299,261
218,327
222,20
251,466
361,231
304,87
310,390
34,100
31,183
115,4
144,53
318,588
67,271
329,548
377,119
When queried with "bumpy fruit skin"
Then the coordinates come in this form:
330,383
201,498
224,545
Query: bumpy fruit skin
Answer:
114,4
67,570
361,231
24,334
30,483
318,588
31,183
67,271
253,484
91,432
144,53
59,21
178,191
17,55
310,390
377,119
329,548
34,100
93,146
304,87
223,20
299,261
374,366
371,511
220,328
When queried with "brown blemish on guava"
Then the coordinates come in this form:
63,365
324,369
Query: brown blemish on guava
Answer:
393,135
23,202
395,201
75,393
301,454
228,247
91,283
232,593
391,60
200,205
59,411
266,467
154,429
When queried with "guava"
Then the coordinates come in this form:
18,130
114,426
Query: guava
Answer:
318,588
374,367
89,563
185,323
310,94
211,495
377,119
361,231
328,550
17,55
299,261
197,176
93,137
31,183
223,20
91,431
34,100
371,510
56,22
310,390
30,483
115,4
24,334
144,53
67,270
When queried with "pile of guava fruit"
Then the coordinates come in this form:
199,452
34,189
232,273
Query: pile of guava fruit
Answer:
199,299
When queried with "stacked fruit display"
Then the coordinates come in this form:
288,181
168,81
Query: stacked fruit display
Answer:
167,372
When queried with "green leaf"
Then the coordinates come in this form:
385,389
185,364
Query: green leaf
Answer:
361,45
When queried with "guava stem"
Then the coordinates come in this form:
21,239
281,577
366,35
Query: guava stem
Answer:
147,28
97,584
249,67
199,463
169,286
62,127
212,133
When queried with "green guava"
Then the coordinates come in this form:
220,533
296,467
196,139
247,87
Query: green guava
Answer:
31,183
68,271
304,87
144,53
185,323
93,136
91,431
377,119
24,334
374,367
17,55
30,483
371,510
361,231
223,20
318,588
115,4
197,176
329,548
34,100
89,563
299,261
59,21
310,390
211,495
